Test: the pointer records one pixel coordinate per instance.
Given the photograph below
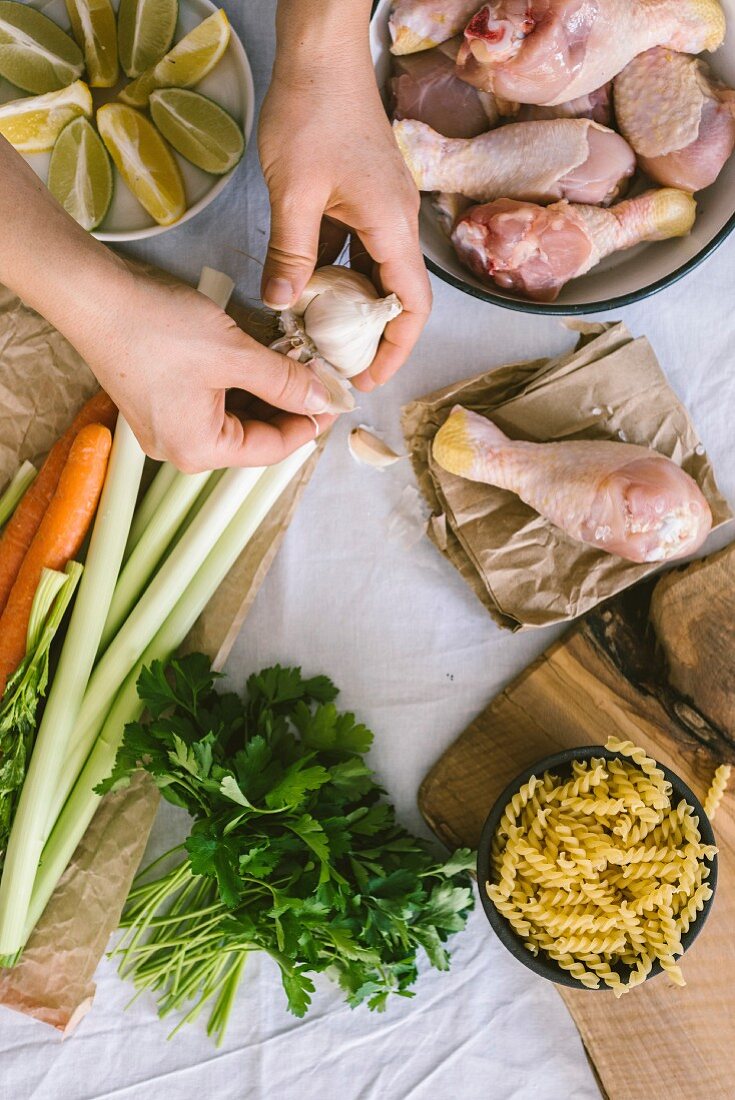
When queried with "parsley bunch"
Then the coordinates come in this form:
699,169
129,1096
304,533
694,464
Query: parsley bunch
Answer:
293,849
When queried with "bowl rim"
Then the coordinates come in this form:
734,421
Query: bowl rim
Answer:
540,964
604,304
617,301
247,94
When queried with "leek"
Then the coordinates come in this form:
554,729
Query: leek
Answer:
171,512
146,511
15,491
146,618
83,801
28,685
32,826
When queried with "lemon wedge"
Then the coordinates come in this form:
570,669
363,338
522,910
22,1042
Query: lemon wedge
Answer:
95,29
144,161
80,173
33,124
145,31
35,54
198,129
187,63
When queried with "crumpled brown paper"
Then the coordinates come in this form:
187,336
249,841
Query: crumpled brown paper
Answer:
524,570
43,382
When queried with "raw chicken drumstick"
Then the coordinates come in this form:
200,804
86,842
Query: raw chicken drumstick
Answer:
679,120
420,24
619,497
549,51
425,87
568,158
535,250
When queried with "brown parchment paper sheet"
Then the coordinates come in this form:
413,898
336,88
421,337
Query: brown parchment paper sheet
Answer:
527,572
43,382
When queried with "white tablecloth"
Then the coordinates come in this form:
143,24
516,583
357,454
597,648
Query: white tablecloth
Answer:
354,594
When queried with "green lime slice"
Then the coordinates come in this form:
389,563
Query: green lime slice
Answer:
80,173
198,129
35,54
145,31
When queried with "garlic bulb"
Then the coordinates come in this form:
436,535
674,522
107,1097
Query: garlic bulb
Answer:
342,318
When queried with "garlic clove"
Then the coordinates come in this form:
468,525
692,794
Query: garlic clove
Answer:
341,399
368,450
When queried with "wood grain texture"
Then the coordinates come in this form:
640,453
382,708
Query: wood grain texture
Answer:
608,676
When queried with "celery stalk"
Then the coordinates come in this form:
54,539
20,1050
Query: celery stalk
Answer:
32,826
146,619
16,490
49,586
82,803
146,511
171,512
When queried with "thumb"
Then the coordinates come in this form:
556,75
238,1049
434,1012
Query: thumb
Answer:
293,246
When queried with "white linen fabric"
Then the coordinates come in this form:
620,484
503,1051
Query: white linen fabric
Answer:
357,593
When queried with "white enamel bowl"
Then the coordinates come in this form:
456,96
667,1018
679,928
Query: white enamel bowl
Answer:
230,84
620,279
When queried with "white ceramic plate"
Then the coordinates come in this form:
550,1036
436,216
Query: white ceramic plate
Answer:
620,279
230,84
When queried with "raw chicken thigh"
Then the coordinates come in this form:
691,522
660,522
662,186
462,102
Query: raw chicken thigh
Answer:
425,87
535,250
679,120
552,51
542,161
597,106
420,24
619,497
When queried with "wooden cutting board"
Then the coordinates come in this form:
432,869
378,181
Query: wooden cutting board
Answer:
612,674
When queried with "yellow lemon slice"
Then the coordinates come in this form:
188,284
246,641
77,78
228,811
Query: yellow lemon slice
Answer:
187,63
95,29
145,30
198,129
32,125
144,161
80,173
35,54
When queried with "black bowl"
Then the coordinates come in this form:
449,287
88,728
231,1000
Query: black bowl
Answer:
561,763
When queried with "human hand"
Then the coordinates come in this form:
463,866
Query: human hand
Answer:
167,356
327,151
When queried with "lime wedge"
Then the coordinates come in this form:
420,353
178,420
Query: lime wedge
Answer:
80,173
197,128
145,31
33,124
187,63
35,54
95,29
144,161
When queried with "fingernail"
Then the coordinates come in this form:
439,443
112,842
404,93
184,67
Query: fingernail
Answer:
317,398
278,293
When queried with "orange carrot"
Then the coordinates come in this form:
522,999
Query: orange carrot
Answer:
58,539
21,528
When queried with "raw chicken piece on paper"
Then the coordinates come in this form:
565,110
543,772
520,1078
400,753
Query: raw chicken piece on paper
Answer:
542,161
536,250
420,24
552,51
679,120
622,498
425,87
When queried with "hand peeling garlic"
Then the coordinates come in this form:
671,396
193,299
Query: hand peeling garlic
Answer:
367,449
335,328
